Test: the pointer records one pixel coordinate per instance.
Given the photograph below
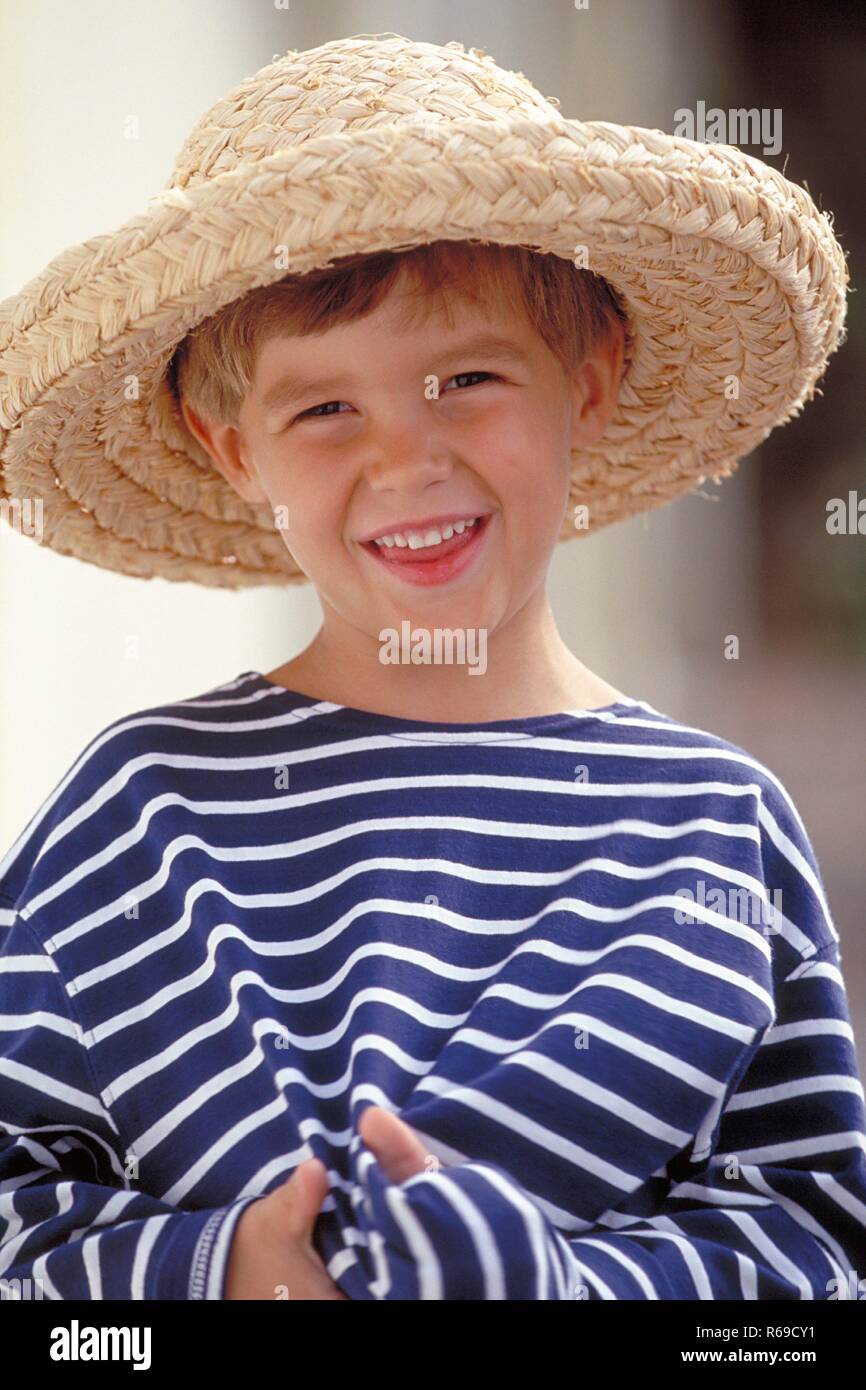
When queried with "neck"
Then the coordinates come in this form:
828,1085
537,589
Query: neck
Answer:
523,670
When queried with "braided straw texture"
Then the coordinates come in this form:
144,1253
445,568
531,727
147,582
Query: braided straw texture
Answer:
372,142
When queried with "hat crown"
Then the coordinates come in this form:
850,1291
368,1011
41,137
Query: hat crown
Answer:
348,85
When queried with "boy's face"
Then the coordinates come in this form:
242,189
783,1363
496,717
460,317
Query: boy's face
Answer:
388,451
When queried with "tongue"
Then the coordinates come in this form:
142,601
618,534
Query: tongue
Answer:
403,554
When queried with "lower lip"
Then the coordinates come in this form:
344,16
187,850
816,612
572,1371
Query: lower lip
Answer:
438,569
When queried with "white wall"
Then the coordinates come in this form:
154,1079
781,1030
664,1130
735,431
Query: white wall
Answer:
69,77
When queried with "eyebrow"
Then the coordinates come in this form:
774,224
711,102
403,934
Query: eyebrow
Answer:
291,388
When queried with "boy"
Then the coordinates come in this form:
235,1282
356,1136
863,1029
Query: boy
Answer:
249,928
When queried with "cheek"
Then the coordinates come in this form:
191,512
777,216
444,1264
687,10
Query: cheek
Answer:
530,471
316,531
524,431
308,512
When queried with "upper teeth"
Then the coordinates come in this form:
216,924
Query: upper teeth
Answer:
416,540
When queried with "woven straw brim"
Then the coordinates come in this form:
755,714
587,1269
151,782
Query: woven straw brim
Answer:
727,271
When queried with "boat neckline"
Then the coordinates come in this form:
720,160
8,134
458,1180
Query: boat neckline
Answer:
355,715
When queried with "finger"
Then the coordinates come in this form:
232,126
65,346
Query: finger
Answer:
302,1195
398,1149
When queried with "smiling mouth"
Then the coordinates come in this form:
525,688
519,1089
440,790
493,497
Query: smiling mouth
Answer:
432,564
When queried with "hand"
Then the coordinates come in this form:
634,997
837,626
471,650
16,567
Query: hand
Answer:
398,1150
272,1245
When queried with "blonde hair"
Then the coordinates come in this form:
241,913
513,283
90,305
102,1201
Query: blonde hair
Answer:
572,309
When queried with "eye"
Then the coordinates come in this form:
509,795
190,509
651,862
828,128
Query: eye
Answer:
461,376
311,413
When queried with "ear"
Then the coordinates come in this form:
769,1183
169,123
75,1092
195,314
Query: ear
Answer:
595,387
223,443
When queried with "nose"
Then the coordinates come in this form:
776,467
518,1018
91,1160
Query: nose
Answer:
406,452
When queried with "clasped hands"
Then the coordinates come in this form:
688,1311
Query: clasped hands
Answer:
272,1248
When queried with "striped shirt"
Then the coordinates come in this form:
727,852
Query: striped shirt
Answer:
587,956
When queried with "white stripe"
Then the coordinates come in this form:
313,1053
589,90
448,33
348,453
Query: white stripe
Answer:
177,1048
787,1090
789,850
92,1267
41,1018
90,1136
479,1103
798,1213
535,1228
213,1085
615,1253
631,1043
110,1214
49,1086
840,1194
808,1028
775,1257
421,1249
642,1120
804,1148
748,1272
474,1222
717,1196
693,1263
26,965
143,1248
223,1144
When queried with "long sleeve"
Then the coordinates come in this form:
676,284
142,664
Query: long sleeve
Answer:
71,1219
777,1212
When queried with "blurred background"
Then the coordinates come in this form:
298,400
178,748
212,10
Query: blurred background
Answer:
96,99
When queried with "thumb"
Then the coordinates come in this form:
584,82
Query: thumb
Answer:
301,1196
399,1151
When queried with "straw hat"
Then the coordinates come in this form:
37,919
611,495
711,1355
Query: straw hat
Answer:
727,270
